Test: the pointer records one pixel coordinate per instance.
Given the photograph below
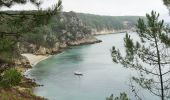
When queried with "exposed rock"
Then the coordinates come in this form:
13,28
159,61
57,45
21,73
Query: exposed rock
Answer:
84,41
42,51
22,61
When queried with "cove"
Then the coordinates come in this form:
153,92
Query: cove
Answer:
101,76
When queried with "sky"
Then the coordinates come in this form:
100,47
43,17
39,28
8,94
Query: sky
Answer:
106,7
115,7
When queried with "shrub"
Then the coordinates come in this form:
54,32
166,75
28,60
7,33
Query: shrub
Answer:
123,96
10,78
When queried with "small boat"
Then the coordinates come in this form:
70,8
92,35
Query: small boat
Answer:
78,73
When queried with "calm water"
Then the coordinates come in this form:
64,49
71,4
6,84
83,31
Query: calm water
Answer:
101,76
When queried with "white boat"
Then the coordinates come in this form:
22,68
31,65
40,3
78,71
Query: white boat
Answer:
78,73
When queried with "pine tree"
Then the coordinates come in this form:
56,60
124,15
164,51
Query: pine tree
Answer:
150,57
9,3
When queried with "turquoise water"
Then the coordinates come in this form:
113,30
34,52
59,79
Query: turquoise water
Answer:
101,76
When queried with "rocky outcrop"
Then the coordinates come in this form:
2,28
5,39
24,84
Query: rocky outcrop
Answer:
90,40
47,51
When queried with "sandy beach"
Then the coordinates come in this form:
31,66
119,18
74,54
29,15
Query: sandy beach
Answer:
35,59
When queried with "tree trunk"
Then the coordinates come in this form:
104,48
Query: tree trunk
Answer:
160,70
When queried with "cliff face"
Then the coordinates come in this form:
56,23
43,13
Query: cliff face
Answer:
74,28
67,30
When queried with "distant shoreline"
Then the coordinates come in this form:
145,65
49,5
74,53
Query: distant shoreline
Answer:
111,32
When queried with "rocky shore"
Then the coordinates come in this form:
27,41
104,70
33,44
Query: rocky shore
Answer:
59,47
25,89
29,59
35,58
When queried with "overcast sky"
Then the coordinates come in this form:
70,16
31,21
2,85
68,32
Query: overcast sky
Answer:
115,7
108,7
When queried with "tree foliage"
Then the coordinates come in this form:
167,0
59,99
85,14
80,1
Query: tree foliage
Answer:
9,3
150,57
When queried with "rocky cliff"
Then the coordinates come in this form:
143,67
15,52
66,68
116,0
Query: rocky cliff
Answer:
66,30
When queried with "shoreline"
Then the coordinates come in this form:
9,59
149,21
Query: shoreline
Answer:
108,32
25,90
35,59
111,32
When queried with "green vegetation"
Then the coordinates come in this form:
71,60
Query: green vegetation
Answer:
62,29
9,3
10,78
100,23
149,56
13,25
123,96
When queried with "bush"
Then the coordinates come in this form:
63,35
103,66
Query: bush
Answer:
110,98
10,78
123,96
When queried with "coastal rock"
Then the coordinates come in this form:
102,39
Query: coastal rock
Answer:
84,41
63,45
23,61
42,51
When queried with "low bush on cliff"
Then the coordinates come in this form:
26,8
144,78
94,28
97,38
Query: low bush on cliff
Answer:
10,78
123,96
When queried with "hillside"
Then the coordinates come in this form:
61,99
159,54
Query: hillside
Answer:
99,23
62,31
67,29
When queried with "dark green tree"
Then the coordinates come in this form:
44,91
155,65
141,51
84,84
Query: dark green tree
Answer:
9,3
150,57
